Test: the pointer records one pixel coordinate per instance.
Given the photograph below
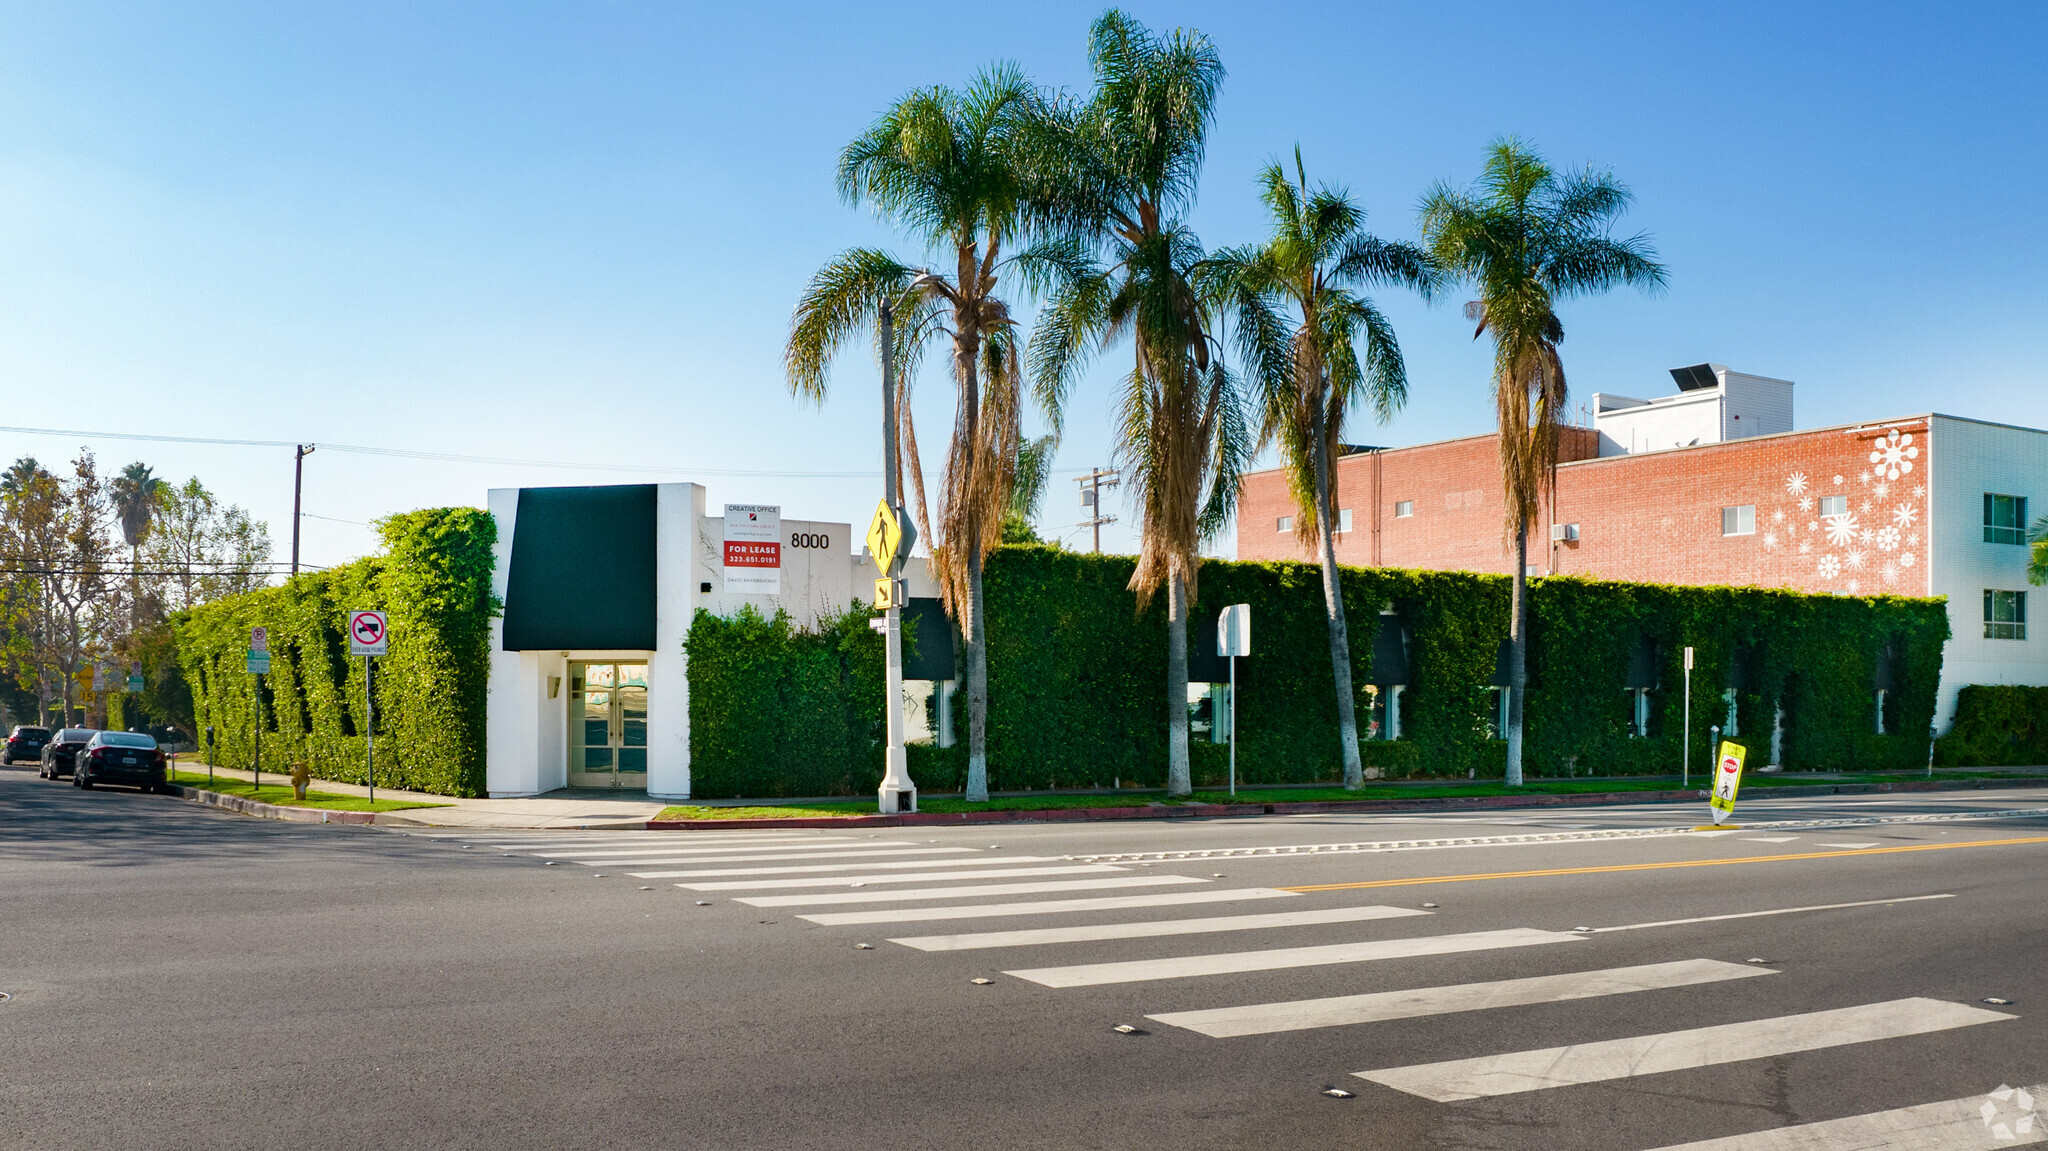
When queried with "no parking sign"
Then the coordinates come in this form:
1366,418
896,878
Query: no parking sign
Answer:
368,633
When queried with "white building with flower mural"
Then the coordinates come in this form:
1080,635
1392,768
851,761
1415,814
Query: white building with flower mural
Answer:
1713,485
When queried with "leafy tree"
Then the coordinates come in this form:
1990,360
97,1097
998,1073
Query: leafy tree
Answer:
1339,350
201,550
1526,237
946,167
1027,489
1127,163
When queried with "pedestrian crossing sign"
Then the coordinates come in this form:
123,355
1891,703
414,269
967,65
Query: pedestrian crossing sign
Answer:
1727,779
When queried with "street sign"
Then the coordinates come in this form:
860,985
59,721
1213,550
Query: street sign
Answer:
135,682
886,594
368,633
85,675
1727,779
259,663
1234,630
259,639
753,549
885,535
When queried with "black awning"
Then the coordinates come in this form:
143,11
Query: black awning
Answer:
582,571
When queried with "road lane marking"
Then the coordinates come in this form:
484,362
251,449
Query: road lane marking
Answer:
768,849
1769,838
1344,1010
1520,1071
1950,1125
914,877
1850,846
896,865
855,855
1148,929
1235,962
1773,911
1661,866
1045,906
966,892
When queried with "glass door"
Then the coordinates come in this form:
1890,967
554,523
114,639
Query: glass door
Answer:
608,725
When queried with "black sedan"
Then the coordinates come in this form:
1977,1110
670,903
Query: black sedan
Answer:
25,743
61,753
123,757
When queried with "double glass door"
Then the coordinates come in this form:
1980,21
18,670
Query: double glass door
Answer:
608,725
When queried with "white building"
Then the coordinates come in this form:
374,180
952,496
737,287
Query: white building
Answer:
1713,405
589,684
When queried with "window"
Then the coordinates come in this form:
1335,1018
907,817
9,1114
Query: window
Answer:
1285,524
2005,614
1343,519
1834,505
1739,521
1404,509
2005,519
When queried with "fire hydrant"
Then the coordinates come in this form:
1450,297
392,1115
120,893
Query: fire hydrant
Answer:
301,776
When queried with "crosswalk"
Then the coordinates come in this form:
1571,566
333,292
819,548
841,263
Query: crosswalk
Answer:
1162,920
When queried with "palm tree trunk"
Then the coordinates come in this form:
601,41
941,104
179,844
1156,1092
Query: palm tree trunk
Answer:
1518,653
974,639
1179,781
1333,603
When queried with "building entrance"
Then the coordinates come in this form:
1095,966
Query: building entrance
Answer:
608,725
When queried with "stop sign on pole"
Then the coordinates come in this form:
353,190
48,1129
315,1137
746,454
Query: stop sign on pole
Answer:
368,633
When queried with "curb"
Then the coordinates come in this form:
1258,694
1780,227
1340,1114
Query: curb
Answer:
1230,810
267,810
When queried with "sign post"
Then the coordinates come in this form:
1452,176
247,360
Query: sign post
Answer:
369,636
259,666
1233,639
889,538
1727,781
134,675
1685,750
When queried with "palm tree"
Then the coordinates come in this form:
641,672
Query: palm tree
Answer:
1317,259
1027,489
1127,163
136,494
947,167
1526,238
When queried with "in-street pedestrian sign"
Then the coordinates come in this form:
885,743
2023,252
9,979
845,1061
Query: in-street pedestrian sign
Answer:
368,633
1727,779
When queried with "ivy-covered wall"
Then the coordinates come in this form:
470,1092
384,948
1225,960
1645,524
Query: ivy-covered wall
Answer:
434,580
1996,726
1077,685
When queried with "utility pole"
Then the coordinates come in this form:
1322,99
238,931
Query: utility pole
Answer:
1091,499
897,793
299,455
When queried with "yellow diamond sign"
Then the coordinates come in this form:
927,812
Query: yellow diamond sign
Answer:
885,535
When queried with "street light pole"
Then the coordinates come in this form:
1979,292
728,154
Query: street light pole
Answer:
299,455
897,793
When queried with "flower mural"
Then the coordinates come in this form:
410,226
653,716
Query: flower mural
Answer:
1894,454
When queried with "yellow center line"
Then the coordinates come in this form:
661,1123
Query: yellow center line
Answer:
1659,866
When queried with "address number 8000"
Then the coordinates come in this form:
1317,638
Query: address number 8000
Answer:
809,540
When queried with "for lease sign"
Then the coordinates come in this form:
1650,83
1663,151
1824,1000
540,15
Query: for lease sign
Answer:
753,549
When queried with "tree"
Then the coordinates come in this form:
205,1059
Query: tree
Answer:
135,493
1525,238
1126,165
1027,489
1316,261
199,550
946,167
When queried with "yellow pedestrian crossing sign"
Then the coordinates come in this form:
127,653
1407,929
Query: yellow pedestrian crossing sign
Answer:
1727,779
889,537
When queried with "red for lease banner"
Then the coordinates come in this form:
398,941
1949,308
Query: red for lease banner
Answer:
752,554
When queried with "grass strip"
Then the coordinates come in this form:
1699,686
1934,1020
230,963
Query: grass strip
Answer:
282,796
1398,790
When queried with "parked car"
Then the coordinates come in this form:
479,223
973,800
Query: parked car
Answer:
125,757
25,743
61,752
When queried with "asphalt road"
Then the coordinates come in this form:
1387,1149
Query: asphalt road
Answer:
187,978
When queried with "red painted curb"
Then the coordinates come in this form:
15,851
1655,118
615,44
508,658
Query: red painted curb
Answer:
1219,810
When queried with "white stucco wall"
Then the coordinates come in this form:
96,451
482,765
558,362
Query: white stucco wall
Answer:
1970,458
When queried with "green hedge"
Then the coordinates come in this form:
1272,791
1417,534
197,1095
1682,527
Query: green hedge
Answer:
1996,726
1077,688
782,711
434,580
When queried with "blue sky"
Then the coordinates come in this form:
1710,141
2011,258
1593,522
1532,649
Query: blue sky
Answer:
575,232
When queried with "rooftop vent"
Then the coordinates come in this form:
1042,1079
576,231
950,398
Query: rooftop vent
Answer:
1696,377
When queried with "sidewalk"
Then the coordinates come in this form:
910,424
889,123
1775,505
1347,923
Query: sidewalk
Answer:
562,809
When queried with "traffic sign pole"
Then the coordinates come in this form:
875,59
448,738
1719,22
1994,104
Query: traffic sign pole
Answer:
369,636
369,734
897,793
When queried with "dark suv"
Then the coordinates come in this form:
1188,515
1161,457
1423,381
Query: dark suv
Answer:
126,757
61,753
26,743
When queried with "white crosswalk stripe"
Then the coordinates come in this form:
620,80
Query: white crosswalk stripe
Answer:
896,864
1519,1071
690,852
855,855
914,877
1950,1125
1342,1010
1227,963
1044,906
927,893
1147,929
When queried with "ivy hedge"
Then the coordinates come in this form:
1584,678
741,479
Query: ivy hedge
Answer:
434,580
1996,726
1077,692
